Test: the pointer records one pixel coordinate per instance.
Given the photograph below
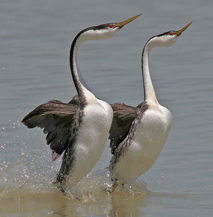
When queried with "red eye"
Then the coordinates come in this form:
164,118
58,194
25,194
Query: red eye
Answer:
111,26
171,33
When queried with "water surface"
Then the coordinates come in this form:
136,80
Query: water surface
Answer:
34,49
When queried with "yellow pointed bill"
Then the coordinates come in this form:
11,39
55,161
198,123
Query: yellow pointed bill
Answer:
180,31
121,24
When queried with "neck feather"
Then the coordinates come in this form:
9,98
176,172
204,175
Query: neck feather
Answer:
83,93
149,92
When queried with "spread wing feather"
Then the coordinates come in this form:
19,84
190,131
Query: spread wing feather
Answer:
123,116
55,118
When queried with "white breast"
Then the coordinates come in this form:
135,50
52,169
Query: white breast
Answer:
149,138
91,139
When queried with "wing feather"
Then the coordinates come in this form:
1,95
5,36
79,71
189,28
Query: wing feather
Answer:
56,119
123,116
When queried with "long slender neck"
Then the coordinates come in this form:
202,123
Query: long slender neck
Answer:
149,92
83,93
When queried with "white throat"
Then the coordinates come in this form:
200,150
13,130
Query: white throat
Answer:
149,92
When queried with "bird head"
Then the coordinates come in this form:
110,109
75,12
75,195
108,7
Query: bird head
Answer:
104,31
167,38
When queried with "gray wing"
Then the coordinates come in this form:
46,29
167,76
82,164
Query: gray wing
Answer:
123,116
55,118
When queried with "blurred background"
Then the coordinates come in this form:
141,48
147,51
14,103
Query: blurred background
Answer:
35,38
